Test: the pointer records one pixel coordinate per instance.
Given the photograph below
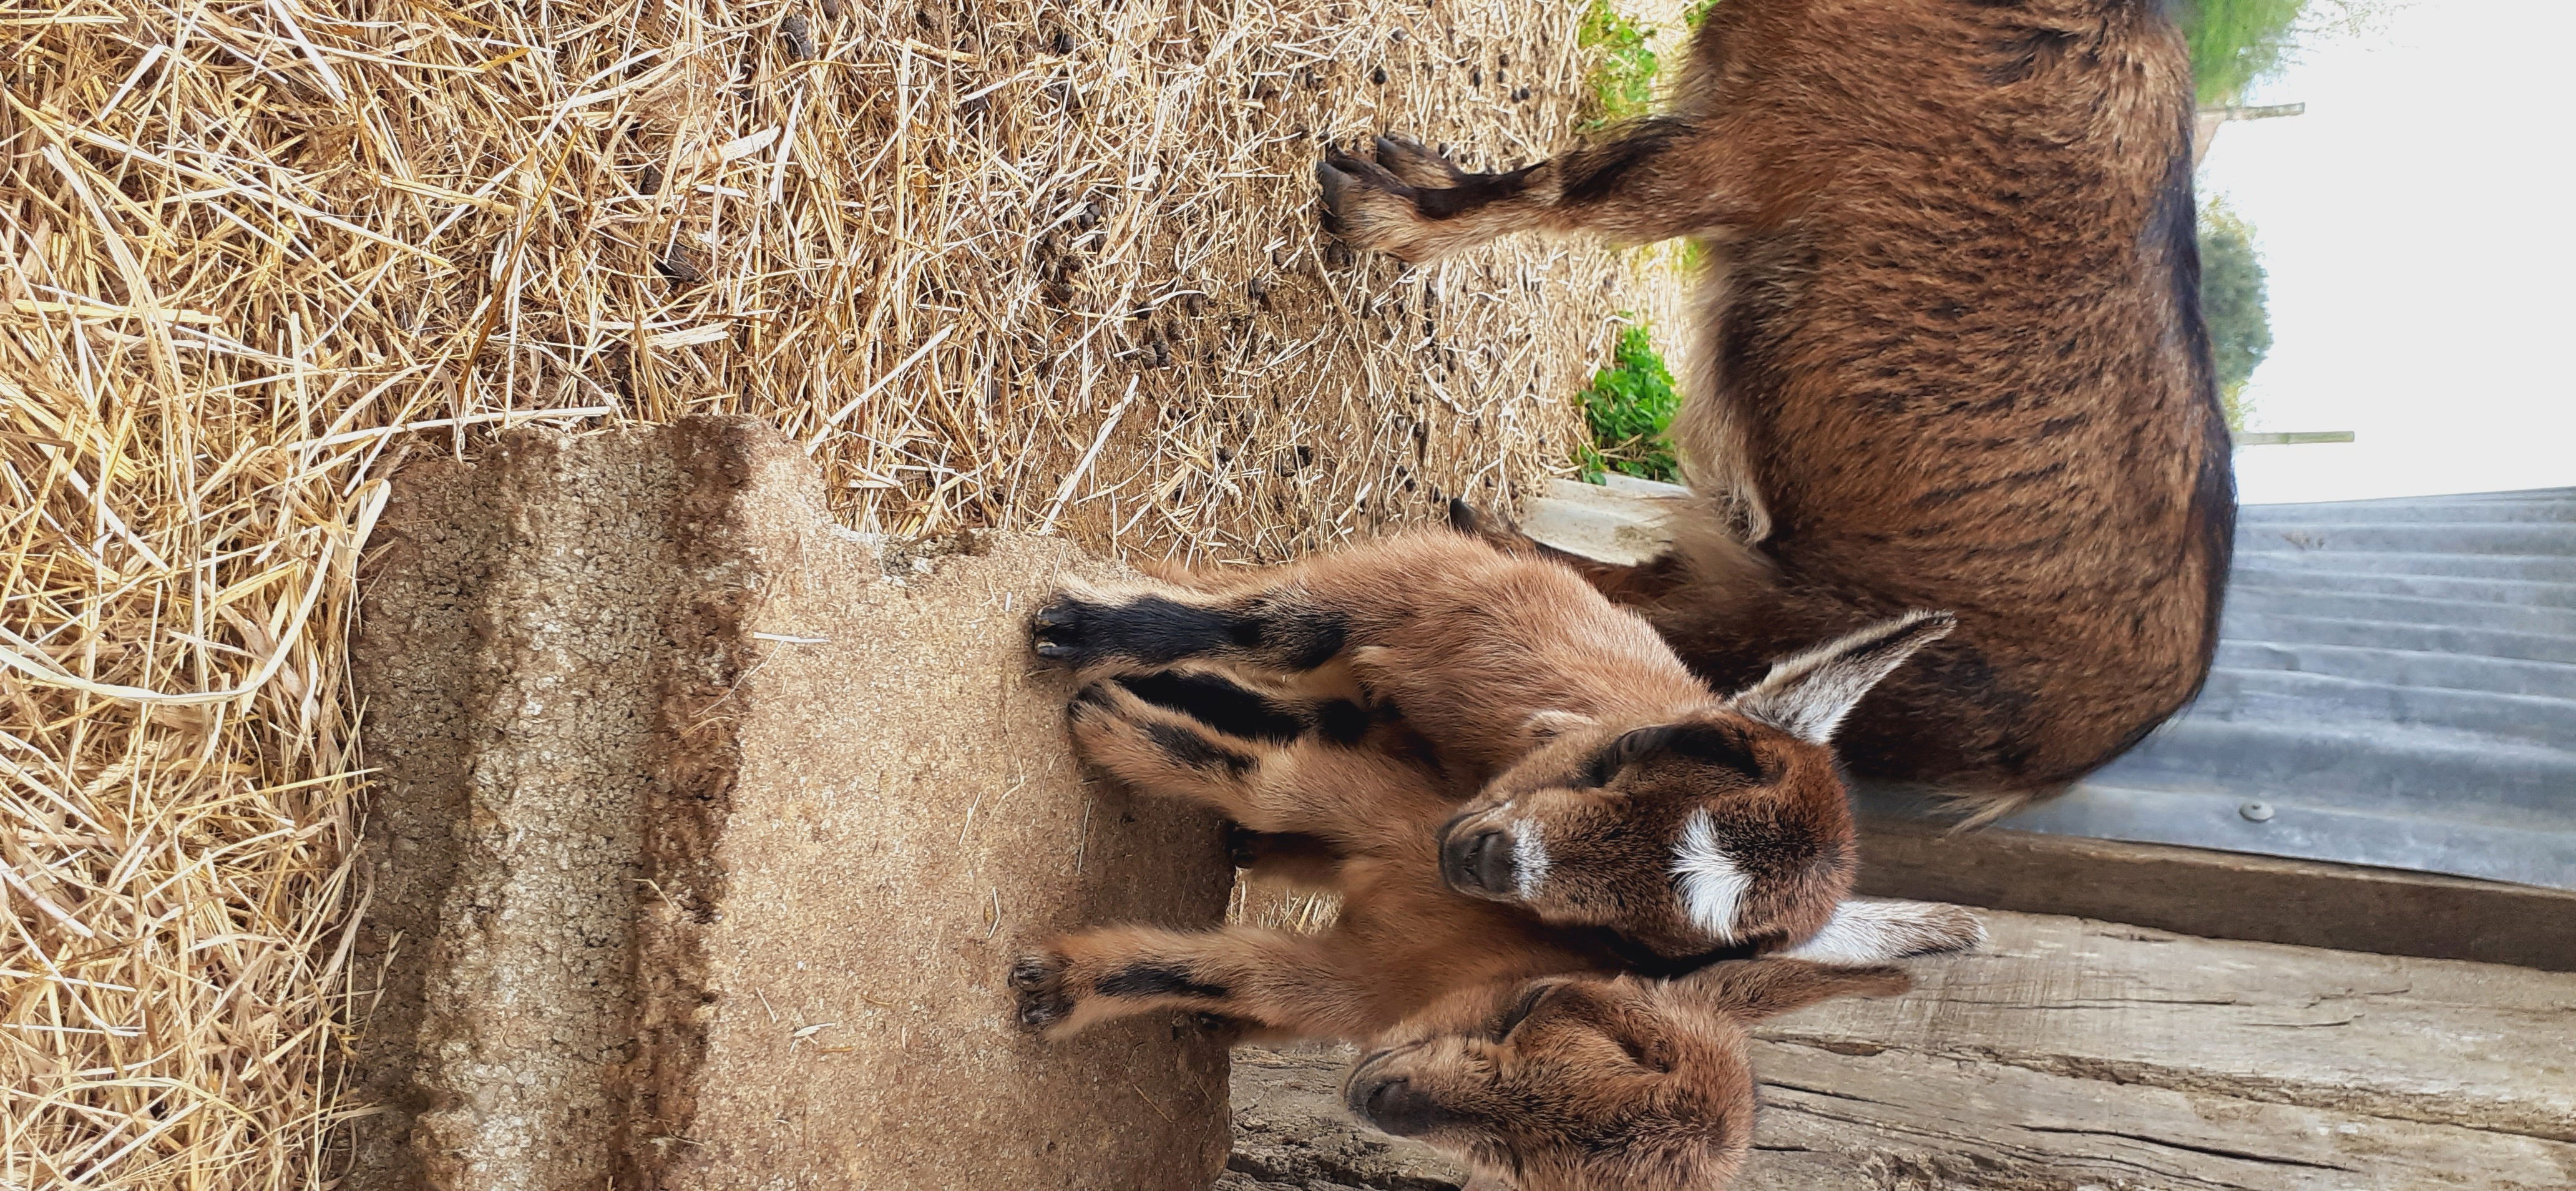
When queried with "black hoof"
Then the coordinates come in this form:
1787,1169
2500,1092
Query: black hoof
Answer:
1061,630
1464,518
1039,980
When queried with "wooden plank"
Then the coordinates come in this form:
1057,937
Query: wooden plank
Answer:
2076,1054
1897,1119
2481,1046
2228,895
1291,1131
2291,437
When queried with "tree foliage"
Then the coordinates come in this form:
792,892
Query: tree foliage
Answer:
2236,43
2233,301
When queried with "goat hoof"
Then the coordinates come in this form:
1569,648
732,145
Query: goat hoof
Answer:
1039,980
1060,629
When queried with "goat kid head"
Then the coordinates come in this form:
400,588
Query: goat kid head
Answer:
1590,1082
1731,828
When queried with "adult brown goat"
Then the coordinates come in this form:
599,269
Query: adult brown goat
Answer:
1954,359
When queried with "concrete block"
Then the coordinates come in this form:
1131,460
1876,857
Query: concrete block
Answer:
704,832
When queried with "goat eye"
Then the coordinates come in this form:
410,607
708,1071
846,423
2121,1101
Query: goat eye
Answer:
1522,1006
1714,745
1642,1054
1621,753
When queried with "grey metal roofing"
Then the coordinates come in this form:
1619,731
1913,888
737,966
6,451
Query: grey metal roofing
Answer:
2395,685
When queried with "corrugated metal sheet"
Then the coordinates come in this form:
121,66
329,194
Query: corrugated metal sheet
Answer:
2395,685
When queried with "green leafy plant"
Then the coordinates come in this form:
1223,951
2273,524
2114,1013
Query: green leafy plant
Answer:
1630,406
1697,12
2234,302
1622,75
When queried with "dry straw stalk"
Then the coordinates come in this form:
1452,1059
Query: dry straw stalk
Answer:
1009,264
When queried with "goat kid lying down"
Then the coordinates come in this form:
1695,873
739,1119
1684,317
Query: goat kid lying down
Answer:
1519,1048
1592,1083
1603,786
1371,795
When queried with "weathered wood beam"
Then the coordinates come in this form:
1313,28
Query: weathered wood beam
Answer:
2227,895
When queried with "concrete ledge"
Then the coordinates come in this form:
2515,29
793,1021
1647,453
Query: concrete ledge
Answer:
705,830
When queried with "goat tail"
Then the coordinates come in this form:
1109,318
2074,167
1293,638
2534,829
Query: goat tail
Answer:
1974,809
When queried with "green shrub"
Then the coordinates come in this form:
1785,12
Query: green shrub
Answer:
1630,406
1622,75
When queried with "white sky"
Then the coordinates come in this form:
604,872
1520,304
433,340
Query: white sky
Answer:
2419,231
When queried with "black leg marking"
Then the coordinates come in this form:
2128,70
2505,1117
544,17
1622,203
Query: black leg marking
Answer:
1297,638
1157,631
1188,748
1144,979
1343,722
1153,630
1247,848
1596,174
1471,192
1220,704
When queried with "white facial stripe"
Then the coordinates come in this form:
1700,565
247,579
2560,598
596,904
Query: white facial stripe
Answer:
1874,932
1712,887
1529,858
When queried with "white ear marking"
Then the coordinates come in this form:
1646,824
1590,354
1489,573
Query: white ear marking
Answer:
1712,887
1529,858
1874,932
1808,695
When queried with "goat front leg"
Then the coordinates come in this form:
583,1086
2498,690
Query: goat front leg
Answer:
1276,980
1148,625
1662,178
1287,767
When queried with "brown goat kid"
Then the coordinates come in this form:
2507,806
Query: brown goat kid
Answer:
1593,1083
1954,358
1605,787
1405,936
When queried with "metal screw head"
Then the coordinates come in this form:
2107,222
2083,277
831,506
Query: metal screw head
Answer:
2257,812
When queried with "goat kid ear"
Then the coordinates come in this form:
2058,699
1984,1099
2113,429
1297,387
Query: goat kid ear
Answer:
1874,932
1809,694
1552,723
1753,989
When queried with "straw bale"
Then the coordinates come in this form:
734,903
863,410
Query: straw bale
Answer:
1034,265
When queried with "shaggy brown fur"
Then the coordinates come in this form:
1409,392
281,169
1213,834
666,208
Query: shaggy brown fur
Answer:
1610,788
1405,937
1954,360
1593,1083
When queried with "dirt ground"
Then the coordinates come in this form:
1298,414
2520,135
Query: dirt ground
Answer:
1047,267
705,834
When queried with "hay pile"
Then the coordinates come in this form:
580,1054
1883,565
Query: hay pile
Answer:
1019,264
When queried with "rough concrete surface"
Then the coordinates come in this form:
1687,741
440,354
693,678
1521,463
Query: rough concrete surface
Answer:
704,835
